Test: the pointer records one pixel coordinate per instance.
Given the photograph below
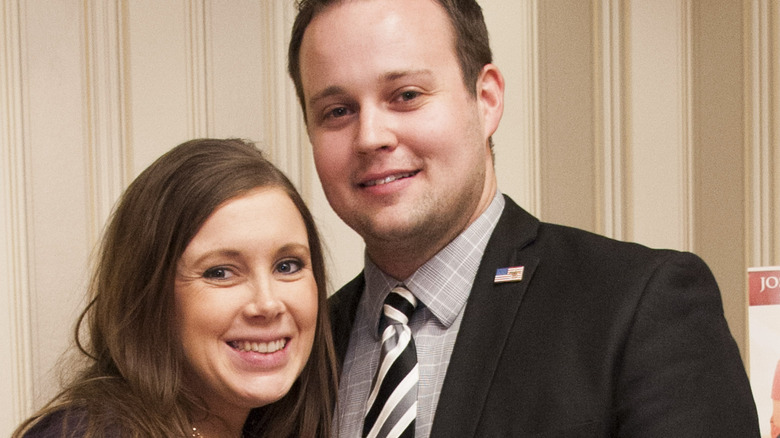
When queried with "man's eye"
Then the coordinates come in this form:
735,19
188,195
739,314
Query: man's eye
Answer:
338,112
218,273
409,95
289,266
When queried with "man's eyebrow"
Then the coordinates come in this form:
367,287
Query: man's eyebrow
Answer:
335,90
400,74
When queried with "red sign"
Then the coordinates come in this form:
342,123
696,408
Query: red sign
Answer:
764,285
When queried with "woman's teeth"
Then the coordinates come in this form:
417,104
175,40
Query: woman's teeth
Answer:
259,347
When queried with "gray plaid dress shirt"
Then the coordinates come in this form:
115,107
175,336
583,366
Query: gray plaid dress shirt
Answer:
442,285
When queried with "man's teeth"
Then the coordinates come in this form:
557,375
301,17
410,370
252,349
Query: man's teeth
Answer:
260,347
387,179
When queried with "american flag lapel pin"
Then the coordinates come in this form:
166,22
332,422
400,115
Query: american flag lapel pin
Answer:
505,275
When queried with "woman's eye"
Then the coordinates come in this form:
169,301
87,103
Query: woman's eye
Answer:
218,273
289,266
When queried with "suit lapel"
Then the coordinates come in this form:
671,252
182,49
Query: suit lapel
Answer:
343,309
489,315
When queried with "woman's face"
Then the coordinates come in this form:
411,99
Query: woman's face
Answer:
246,302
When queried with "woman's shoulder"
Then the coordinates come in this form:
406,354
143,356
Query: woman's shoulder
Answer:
57,424
73,423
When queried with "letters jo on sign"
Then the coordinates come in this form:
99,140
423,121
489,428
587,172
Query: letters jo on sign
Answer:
764,285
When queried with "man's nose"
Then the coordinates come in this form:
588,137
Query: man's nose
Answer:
375,130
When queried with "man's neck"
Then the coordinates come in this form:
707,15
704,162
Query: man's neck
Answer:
402,258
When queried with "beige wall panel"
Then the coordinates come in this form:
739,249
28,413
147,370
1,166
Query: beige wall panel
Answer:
763,131
566,87
513,38
15,349
719,161
658,193
54,113
158,81
774,60
237,74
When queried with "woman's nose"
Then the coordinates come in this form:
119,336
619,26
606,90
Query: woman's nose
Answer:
264,301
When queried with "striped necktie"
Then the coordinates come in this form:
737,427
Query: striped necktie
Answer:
393,399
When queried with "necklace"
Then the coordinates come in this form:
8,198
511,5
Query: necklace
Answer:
196,433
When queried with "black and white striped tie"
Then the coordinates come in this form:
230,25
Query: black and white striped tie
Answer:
393,399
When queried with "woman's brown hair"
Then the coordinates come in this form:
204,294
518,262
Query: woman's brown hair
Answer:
132,384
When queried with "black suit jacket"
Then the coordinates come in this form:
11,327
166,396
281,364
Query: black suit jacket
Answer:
600,339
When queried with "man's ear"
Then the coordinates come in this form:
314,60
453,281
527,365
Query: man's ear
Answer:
490,96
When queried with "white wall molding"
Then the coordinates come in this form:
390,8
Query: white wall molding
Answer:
774,59
16,374
282,115
659,140
532,144
107,143
514,32
199,100
687,191
762,146
610,170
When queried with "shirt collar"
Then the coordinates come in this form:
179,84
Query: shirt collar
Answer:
444,282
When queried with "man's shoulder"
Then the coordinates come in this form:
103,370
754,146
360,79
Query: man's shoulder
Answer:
564,244
584,243
553,237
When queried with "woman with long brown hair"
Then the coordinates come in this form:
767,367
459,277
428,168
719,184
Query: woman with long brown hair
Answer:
208,302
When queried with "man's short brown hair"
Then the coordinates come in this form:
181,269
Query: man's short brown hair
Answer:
472,44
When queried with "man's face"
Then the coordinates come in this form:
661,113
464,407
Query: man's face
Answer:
400,144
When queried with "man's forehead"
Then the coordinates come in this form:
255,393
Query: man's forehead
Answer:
326,6
405,11
343,46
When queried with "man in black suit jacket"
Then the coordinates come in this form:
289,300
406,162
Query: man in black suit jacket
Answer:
524,329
